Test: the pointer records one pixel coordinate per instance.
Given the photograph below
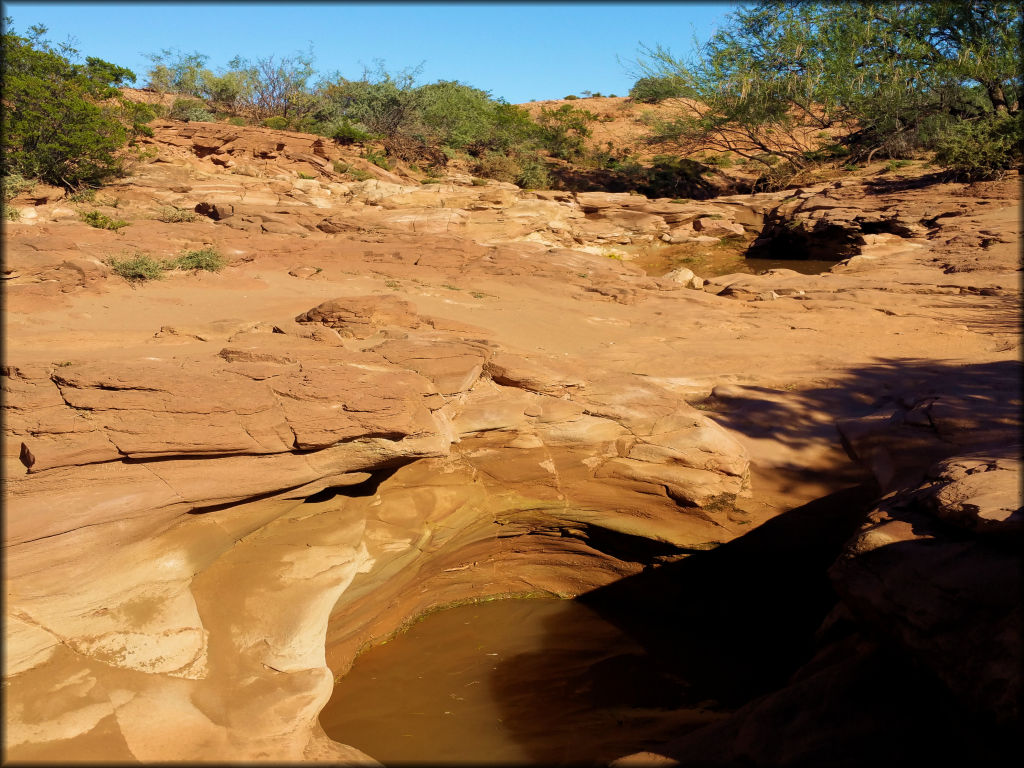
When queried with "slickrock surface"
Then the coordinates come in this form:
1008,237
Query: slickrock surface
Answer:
397,396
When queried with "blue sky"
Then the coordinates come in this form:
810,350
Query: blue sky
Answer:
517,51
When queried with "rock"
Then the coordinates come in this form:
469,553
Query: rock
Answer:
362,316
710,227
685,277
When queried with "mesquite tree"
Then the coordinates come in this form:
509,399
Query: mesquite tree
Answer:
807,81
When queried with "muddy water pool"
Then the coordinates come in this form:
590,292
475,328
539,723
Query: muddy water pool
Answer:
724,258
529,681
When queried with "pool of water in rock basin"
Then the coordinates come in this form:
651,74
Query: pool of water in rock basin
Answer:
510,681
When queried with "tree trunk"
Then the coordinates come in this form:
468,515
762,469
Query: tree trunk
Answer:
995,93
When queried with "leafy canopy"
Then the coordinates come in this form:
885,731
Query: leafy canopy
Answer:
809,80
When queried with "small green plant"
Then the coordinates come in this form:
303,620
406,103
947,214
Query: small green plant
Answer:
173,215
306,175
394,285
377,159
208,259
571,97
479,182
11,214
356,173
895,165
87,195
721,161
190,110
239,121
430,181
850,167
451,287
110,202
277,122
14,184
102,221
138,269
614,255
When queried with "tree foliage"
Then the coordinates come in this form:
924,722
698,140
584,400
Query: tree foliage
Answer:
63,121
808,80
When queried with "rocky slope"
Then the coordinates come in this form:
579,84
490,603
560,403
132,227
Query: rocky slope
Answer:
397,396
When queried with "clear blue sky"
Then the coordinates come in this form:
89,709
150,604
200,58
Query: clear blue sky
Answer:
517,51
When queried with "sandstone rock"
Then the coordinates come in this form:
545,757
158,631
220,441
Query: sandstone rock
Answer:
685,277
362,316
710,227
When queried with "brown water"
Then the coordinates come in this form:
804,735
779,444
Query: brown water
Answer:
724,258
534,681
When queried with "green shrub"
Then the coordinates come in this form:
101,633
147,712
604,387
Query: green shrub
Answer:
377,159
14,184
173,215
533,174
102,221
86,195
239,121
895,165
306,175
498,166
347,133
139,268
190,110
356,173
63,123
208,259
278,123
11,214
983,148
653,89
479,182
571,97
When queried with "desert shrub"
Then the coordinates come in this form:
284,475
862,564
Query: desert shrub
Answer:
306,175
563,130
277,122
346,132
239,121
533,174
173,215
498,166
63,123
138,268
102,221
652,89
982,149
11,214
571,97
208,259
356,173
190,110
14,184
377,159
84,195
479,182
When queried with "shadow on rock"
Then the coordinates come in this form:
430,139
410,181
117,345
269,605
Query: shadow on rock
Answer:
708,633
